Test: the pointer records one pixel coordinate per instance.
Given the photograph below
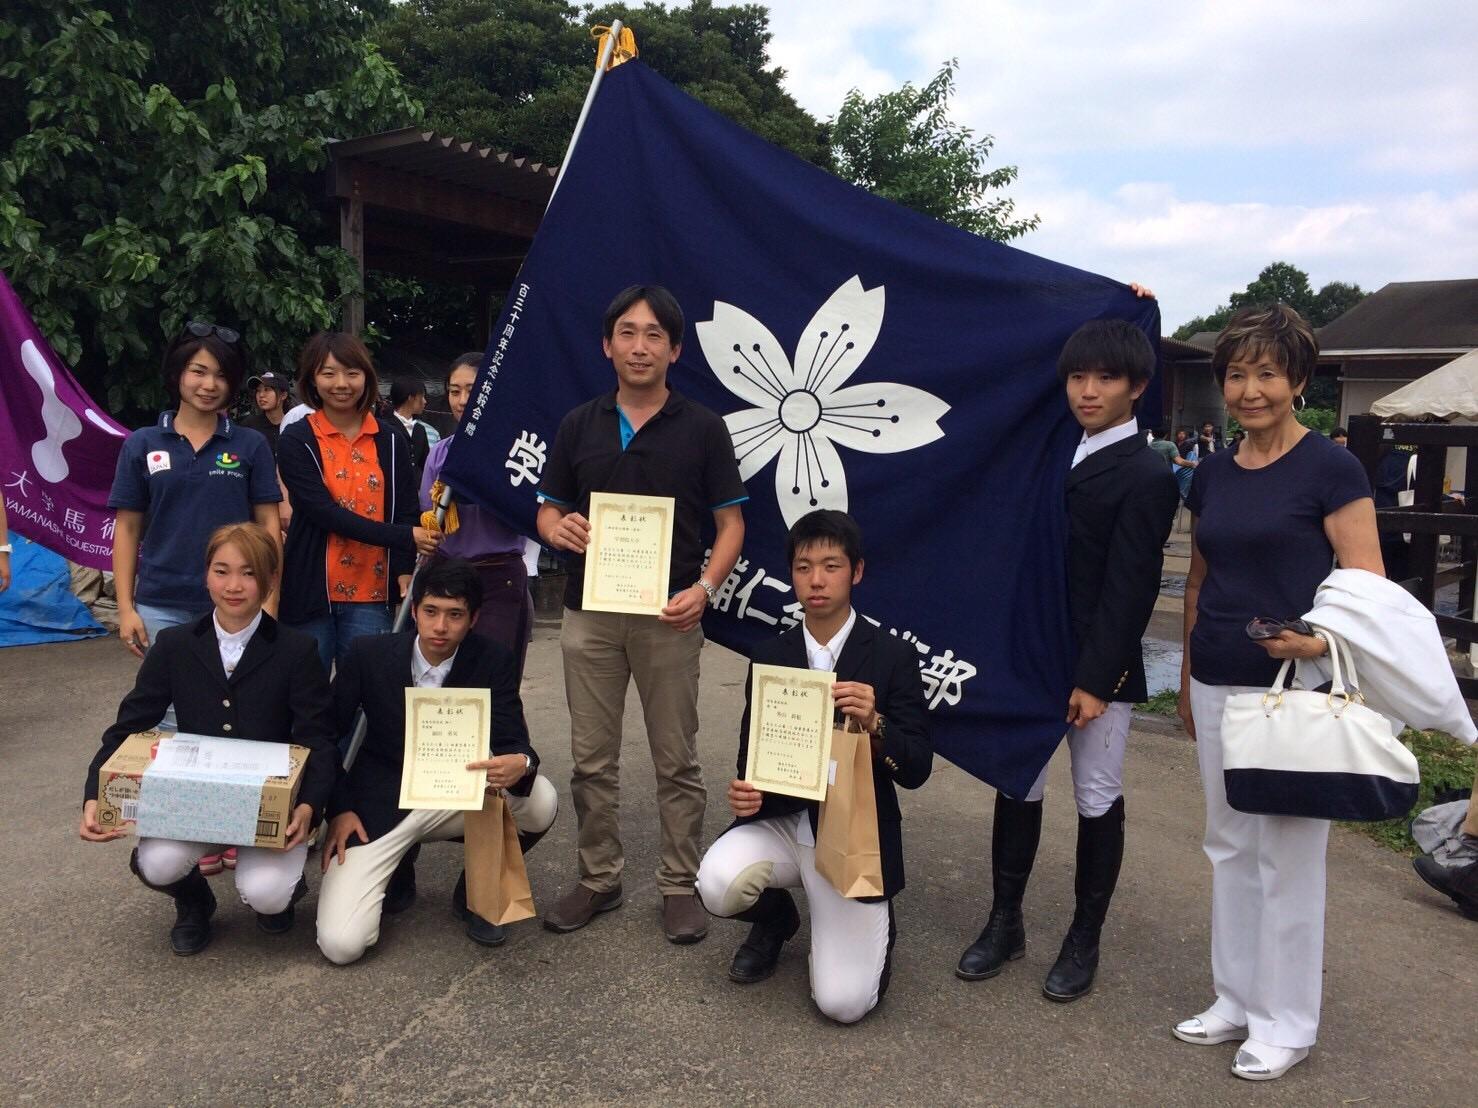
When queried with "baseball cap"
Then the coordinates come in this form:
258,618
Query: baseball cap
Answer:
276,380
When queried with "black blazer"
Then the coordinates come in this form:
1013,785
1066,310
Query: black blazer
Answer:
316,515
375,677
892,669
278,693
1121,502
415,439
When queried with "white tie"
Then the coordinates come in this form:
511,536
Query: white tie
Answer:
1081,452
824,660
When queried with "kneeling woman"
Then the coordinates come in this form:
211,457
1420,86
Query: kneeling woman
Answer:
234,672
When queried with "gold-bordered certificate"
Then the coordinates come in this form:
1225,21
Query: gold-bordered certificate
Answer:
444,730
630,553
790,716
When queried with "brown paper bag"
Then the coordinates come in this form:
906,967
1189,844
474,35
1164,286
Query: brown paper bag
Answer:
497,883
847,852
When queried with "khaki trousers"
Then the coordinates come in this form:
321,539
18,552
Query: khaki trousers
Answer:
603,652
1470,824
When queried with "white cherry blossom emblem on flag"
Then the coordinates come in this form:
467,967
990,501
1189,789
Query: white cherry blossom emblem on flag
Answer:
802,412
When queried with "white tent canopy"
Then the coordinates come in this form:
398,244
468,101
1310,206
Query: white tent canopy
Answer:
1450,392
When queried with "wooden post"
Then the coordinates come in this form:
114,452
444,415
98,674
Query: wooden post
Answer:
1431,462
351,238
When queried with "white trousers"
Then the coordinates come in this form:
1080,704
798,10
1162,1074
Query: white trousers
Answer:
1097,753
352,893
265,878
849,938
1267,900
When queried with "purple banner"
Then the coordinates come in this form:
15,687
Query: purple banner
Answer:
58,450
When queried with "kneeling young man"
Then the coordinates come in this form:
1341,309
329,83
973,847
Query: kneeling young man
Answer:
1121,500
771,846
377,873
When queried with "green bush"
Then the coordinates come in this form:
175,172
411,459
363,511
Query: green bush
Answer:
1445,764
1162,703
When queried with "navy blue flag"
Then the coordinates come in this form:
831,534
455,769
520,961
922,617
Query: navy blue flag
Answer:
865,357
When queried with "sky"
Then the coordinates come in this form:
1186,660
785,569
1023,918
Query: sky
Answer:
1188,145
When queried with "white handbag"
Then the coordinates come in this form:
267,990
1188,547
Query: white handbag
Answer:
1292,752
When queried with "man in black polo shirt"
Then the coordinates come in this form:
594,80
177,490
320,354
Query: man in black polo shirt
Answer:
642,438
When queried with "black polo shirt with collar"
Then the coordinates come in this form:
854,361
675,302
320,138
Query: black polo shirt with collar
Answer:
683,451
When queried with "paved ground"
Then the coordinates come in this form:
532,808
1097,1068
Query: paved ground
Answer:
98,1010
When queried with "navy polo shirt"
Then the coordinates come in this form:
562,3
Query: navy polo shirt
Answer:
683,451
185,495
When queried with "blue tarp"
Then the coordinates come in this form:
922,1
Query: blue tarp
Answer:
39,605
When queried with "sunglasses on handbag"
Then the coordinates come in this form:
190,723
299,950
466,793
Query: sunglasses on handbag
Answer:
1263,628
201,329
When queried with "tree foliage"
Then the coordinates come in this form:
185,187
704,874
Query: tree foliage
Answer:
904,146
158,161
1281,283
512,74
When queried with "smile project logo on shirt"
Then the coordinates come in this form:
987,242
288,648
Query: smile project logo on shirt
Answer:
226,460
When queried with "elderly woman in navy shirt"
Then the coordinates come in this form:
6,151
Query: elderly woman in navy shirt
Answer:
1270,516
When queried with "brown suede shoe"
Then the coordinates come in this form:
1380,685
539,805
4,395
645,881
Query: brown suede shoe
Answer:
579,906
683,918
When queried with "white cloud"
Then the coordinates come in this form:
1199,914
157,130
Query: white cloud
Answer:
823,58
1194,253
1367,75
1219,137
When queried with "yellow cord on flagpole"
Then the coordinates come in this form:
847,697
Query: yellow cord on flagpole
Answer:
625,45
449,523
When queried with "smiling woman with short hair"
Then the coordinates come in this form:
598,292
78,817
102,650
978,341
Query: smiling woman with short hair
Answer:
233,673
1269,516
354,527
192,471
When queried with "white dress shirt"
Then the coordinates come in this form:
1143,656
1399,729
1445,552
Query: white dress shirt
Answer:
1107,437
423,674
232,644
825,657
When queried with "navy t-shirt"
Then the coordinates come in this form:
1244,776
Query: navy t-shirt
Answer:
185,495
1261,532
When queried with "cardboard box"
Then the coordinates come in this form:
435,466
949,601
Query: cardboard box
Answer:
122,777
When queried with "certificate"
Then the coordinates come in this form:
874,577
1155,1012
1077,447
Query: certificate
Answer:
444,730
630,553
790,715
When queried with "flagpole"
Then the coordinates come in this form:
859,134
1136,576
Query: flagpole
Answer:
600,71
402,616
404,612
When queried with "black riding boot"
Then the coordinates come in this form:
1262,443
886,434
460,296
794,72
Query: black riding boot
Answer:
194,904
279,923
1015,833
400,894
775,922
1100,853
527,840
481,931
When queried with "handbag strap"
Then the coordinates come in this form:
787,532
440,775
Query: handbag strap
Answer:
1337,687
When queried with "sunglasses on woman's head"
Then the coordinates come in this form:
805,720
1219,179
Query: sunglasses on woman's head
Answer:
201,329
